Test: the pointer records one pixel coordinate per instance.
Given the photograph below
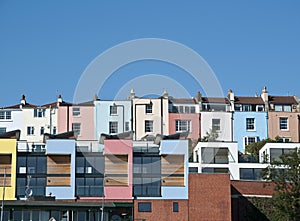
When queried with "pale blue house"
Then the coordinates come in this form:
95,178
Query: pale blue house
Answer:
112,117
250,121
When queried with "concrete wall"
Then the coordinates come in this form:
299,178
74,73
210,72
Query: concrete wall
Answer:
86,120
160,126
240,131
225,133
15,123
103,117
28,120
195,131
62,147
9,146
123,147
176,147
293,125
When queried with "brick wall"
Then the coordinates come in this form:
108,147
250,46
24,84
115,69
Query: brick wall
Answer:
162,210
209,197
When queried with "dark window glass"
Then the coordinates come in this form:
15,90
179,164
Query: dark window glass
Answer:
175,207
144,207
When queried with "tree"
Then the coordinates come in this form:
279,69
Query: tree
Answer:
285,174
211,136
254,148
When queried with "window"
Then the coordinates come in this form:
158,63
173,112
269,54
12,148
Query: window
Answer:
126,126
145,207
285,139
42,130
30,130
54,130
175,207
247,107
250,173
193,110
275,153
237,107
39,112
250,140
215,170
149,108
113,110
213,155
76,111
260,108
193,169
216,124
147,175
5,115
284,108
182,125
113,127
2,130
148,126
250,124
89,175
283,123
75,128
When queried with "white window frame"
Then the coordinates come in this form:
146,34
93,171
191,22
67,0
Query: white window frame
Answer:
216,125
30,130
76,111
39,112
113,127
76,128
149,108
260,106
287,123
148,126
285,139
246,140
5,115
182,125
113,110
2,130
127,126
250,118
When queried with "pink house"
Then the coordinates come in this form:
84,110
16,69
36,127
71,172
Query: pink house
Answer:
118,169
78,118
184,116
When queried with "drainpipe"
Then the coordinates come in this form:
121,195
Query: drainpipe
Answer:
232,119
68,118
161,115
298,128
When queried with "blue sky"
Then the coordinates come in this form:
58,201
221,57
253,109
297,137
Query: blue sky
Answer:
45,46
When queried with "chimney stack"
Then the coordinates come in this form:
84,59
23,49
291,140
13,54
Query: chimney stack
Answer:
132,94
230,96
59,99
265,97
23,101
165,94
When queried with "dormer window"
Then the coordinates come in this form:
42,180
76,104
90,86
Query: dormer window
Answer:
283,108
39,112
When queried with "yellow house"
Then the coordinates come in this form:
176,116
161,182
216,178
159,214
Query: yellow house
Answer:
8,163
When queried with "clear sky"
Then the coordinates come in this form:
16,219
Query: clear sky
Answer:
46,45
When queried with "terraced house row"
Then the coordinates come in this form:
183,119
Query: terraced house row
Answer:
140,158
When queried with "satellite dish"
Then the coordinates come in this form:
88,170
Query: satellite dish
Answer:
28,192
116,218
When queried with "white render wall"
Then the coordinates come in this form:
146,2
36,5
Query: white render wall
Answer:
15,123
140,116
225,134
28,119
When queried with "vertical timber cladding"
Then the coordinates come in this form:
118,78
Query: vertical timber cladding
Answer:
59,170
172,170
5,167
116,170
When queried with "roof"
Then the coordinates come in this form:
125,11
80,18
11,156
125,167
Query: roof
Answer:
15,134
17,106
248,100
183,101
282,100
66,135
215,100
